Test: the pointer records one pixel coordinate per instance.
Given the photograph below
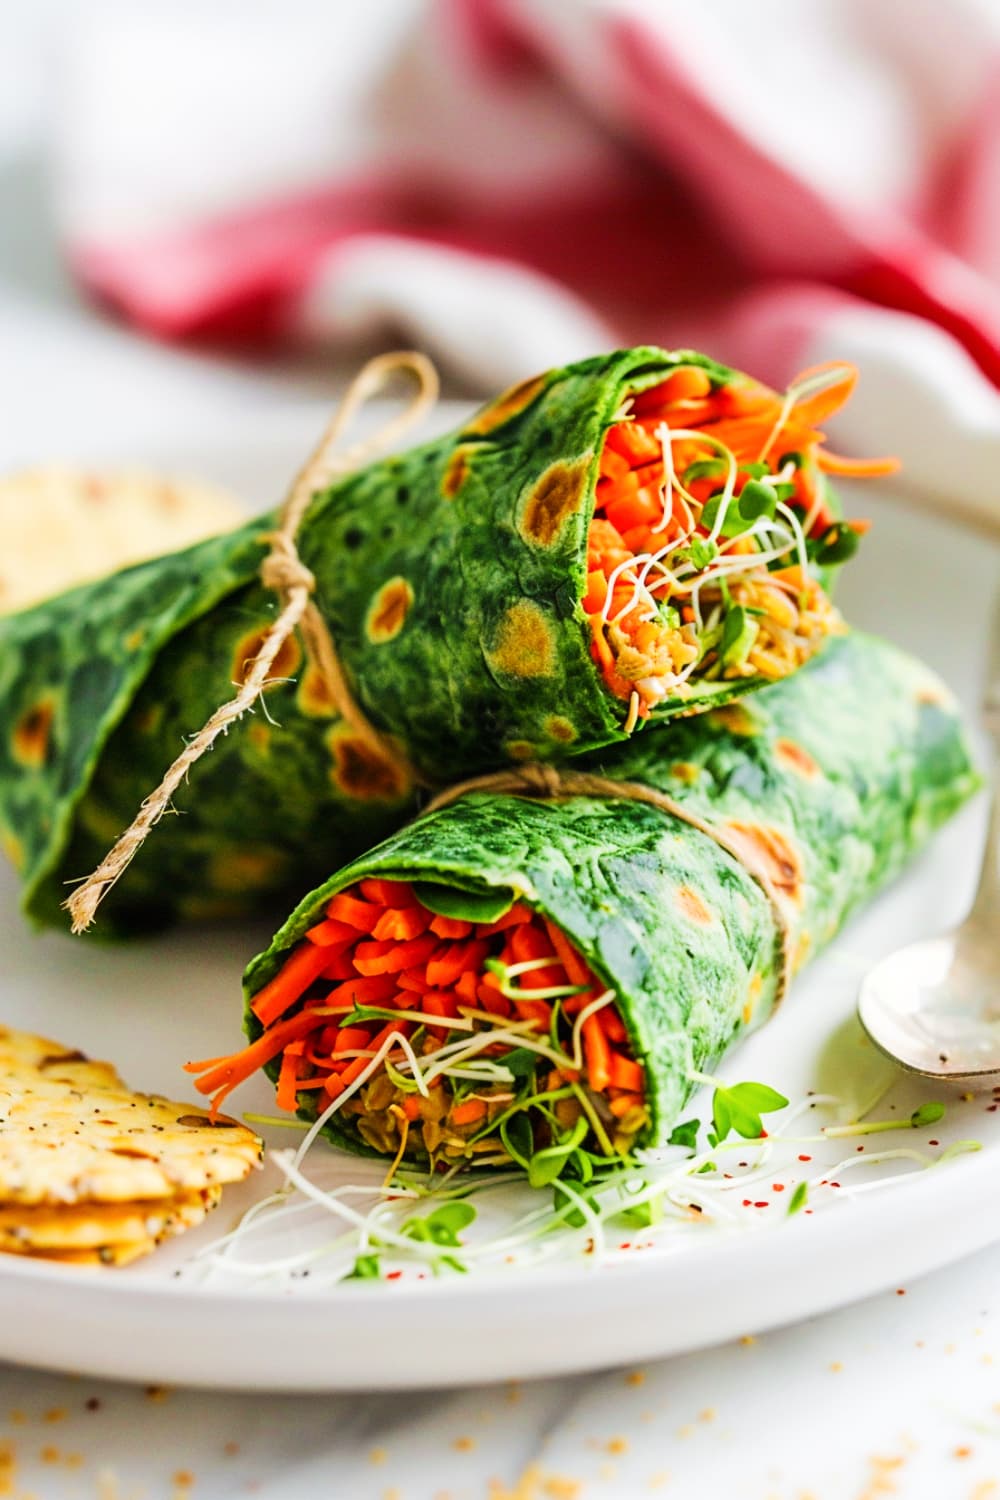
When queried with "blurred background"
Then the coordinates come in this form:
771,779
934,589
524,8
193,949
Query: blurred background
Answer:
215,210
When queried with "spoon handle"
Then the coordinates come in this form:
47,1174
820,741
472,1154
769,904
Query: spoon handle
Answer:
986,904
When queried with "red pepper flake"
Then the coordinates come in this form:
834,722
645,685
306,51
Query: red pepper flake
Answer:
859,1148
990,1108
901,1291
777,1187
835,1184
763,1134
625,1245
933,1143
805,1158
393,1275
746,1203
762,1204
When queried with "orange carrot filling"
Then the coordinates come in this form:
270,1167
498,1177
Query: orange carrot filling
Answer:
420,1011
710,512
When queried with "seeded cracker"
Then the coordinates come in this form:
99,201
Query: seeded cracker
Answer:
92,1173
61,526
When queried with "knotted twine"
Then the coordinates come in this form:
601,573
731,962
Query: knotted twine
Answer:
283,572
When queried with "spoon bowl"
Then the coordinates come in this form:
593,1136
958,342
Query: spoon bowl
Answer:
934,1006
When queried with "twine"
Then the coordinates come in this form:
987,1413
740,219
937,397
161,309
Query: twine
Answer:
546,782
283,572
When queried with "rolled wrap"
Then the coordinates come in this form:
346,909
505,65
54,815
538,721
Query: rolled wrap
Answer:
451,578
827,783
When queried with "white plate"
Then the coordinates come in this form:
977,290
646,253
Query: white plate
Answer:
150,1007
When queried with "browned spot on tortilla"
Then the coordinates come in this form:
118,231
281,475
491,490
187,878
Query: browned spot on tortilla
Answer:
506,405
797,759
314,697
558,728
147,720
932,692
285,663
388,610
692,905
685,770
754,990
259,736
235,871
801,951
770,853
524,642
558,494
361,772
455,473
735,718
519,750
30,741
13,848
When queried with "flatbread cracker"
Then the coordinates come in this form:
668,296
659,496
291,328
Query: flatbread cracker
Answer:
95,1226
21,1052
71,1133
62,526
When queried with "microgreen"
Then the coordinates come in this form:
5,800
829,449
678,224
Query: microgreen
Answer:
546,1165
739,1108
644,1215
927,1114
757,499
701,552
442,1226
685,1134
838,543
705,468
365,1268
739,632
733,523
798,1198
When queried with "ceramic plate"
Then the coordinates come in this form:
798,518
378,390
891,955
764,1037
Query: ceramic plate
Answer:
150,1007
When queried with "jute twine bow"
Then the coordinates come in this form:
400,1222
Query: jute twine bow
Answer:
283,571
546,782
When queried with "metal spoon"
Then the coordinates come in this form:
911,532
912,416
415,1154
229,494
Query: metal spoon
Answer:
934,1006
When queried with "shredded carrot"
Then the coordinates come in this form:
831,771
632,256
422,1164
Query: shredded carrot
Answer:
224,1076
468,1112
391,958
285,1096
856,468
304,965
597,1055
621,1105
360,914
450,927
328,932
402,924
625,1073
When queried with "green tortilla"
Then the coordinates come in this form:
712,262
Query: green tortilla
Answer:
834,778
450,577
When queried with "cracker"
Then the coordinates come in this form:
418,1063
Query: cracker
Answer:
21,1052
62,526
72,1133
95,1226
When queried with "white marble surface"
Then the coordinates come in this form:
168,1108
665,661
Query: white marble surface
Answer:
898,1396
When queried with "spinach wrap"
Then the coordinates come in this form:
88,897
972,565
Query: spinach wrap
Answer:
641,535
507,973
